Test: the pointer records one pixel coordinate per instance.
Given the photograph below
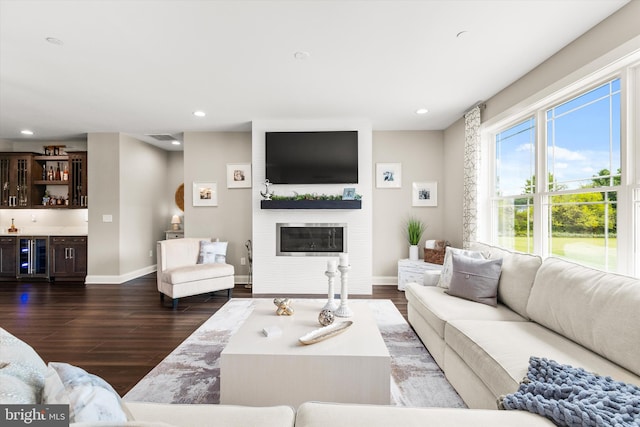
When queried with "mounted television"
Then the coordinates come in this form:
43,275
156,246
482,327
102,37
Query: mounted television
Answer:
329,157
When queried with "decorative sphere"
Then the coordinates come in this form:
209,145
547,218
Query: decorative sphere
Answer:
326,317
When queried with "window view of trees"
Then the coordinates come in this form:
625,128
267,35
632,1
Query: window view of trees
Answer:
579,204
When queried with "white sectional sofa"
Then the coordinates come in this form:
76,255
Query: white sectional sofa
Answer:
553,309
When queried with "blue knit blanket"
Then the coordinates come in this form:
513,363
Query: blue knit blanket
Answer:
574,397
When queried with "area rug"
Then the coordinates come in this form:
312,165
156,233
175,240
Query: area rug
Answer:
190,374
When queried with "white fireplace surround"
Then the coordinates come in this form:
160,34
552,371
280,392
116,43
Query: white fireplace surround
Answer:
274,274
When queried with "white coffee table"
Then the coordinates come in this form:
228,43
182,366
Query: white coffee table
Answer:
352,367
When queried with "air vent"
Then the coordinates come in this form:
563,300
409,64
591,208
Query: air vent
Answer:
162,136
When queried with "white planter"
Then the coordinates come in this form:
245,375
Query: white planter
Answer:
413,252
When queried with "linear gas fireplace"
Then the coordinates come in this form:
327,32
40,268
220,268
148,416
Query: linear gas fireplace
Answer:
310,239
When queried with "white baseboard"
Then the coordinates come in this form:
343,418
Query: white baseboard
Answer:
116,280
241,279
238,279
385,280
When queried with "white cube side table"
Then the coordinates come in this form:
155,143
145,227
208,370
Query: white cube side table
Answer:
413,271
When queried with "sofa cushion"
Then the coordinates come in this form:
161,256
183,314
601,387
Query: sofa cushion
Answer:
195,272
599,310
21,362
208,414
518,273
447,271
316,414
499,352
125,424
90,398
475,279
437,308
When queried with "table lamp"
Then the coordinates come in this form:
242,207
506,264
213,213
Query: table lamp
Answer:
175,222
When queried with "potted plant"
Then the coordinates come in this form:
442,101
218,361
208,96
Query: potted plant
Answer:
415,230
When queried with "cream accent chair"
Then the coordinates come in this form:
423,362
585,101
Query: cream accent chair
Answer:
179,274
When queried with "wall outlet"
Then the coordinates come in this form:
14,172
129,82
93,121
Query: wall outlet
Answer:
243,261
151,253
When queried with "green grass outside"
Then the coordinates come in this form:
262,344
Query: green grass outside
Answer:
585,250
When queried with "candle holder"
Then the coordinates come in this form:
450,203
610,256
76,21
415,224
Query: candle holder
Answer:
344,310
331,304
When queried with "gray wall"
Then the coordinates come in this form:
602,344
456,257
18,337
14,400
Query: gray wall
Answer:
144,212
104,199
453,178
127,180
420,153
175,177
206,155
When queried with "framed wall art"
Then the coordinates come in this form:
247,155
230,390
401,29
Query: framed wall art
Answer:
425,193
238,175
205,194
388,175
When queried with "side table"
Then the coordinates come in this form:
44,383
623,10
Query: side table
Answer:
413,271
174,234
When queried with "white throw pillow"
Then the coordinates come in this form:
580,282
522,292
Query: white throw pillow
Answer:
212,252
14,391
90,398
19,360
447,268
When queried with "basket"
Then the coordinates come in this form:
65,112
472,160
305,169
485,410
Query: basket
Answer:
434,256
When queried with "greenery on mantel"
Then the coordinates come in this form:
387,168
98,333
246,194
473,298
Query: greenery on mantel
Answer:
314,196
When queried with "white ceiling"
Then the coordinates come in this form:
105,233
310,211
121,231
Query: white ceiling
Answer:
141,67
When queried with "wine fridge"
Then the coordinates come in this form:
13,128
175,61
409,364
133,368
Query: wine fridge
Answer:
33,257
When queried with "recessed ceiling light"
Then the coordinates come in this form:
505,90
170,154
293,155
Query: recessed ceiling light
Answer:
422,111
199,113
174,142
54,40
301,55
26,132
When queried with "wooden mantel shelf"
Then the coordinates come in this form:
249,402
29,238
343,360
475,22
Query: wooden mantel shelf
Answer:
310,204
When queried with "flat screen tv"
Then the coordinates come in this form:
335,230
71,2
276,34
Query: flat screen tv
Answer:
329,157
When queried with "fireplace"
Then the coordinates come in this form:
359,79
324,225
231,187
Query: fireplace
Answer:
317,239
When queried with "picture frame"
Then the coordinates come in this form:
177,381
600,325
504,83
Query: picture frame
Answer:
238,175
425,194
205,194
388,175
349,193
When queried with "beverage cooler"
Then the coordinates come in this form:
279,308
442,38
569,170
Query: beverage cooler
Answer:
32,257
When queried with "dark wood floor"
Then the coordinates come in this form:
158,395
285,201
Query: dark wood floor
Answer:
118,332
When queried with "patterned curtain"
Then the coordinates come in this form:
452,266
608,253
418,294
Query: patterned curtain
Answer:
471,165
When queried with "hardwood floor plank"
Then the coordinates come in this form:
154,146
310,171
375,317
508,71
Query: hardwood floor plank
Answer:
118,332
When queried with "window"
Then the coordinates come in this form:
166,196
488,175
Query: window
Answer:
579,146
583,154
514,186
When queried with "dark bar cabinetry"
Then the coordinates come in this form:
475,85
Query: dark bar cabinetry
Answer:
8,257
68,258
